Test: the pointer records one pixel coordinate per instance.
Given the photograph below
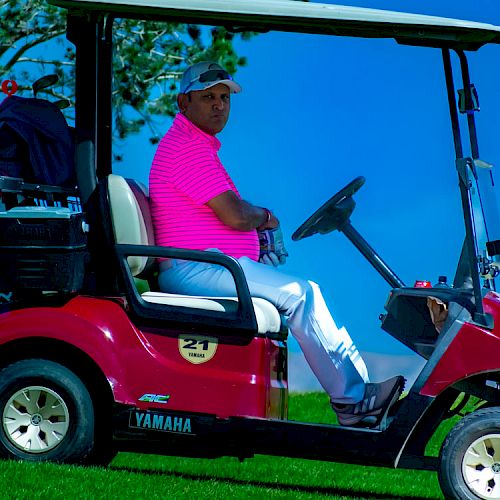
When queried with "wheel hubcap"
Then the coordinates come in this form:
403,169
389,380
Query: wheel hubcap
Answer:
481,467
35,419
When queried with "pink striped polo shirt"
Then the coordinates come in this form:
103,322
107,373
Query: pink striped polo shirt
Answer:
186,173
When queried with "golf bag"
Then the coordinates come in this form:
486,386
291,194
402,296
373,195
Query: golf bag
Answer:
36,143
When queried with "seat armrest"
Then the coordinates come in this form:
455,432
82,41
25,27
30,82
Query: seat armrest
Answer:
244,319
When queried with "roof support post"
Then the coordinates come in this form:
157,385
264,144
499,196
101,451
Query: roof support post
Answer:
104,98
83,32
469,107
483,170
468,265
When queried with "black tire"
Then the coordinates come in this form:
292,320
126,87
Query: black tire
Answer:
46,413
101,456
472,446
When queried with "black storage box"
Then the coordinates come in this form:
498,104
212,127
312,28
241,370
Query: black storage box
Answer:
42,248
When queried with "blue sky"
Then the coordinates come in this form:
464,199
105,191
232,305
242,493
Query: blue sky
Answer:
316,112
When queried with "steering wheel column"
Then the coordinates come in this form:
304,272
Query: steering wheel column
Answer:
334,215
371,255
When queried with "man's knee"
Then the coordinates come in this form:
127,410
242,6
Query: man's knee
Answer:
302,292
311,290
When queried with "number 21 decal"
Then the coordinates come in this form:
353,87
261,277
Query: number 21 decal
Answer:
197,348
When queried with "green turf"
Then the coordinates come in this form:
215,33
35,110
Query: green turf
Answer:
144,476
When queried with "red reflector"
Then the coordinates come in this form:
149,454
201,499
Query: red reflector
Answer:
422,284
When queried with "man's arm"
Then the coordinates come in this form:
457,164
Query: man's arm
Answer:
241,215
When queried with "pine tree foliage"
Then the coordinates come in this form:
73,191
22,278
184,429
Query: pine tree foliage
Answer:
149,59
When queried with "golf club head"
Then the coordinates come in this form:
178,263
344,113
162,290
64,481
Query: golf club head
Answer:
43,83
63,103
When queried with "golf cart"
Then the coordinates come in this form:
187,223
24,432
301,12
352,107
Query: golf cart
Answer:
92,366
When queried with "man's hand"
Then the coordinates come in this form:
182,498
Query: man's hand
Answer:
241,215
272,247
271,259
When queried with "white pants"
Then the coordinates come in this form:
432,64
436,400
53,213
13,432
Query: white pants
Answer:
330,352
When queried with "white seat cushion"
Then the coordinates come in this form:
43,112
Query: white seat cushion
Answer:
268,317
128,222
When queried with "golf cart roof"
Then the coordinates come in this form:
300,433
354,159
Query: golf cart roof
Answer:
306,17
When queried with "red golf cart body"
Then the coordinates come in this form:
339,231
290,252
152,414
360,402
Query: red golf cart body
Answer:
208,376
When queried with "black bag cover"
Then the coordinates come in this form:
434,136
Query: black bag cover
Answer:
36,143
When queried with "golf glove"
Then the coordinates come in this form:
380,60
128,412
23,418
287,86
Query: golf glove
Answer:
272,247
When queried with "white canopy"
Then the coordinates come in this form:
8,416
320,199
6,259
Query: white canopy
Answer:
306,17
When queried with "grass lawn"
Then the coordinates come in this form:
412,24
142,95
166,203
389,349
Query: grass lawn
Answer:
143,476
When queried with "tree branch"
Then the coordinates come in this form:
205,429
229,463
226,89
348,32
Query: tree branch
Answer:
12,41
173,75
43,61
29,45
148,122
53,93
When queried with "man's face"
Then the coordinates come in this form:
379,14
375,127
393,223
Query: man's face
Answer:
207,109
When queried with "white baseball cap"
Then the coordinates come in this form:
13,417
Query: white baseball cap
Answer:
206,74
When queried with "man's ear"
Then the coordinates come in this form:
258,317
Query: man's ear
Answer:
182,100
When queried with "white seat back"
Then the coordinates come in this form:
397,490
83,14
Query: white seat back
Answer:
131,222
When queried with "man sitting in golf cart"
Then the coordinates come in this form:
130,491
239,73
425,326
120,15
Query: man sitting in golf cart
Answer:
195,205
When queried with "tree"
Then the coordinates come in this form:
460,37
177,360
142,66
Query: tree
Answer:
150,57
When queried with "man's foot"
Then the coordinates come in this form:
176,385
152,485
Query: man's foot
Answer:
373,408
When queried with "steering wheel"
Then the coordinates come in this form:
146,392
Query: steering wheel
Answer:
333,214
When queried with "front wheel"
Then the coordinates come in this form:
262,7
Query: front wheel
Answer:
46,411
470,457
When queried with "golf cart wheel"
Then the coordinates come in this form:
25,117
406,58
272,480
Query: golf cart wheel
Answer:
470,457
46,412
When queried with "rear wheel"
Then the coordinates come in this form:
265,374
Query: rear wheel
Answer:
470,457
46,411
